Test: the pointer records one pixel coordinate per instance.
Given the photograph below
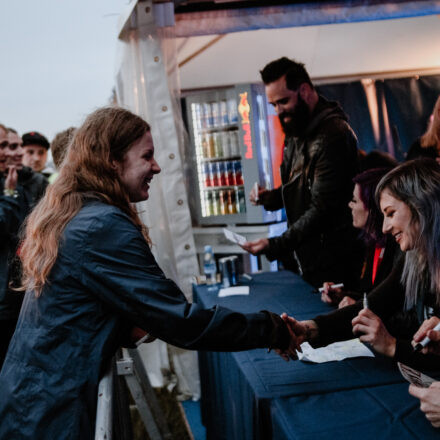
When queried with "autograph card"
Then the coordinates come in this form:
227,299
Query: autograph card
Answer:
234,237
415,377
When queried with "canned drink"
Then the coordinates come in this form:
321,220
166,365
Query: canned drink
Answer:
218,145
197,115
215,203
205,146
208,203
241,200
215,110
207,115
232,111
235,143
223,202
211,145
229,271
207,174
238,176
224,120
213,174
221,173
230,173
226,144
232,207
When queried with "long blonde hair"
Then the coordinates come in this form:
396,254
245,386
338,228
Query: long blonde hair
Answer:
432,135
87,172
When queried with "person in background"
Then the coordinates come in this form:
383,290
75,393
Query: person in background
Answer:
319,163
381,252
58,147
33,183
22,188
428,145
409,197
36,148
88,271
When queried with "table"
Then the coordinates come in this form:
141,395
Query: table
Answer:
256,395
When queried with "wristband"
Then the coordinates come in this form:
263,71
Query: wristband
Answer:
10,192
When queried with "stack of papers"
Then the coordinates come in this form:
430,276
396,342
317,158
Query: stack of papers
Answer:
236,290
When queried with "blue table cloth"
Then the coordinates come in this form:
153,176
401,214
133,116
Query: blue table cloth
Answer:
240,389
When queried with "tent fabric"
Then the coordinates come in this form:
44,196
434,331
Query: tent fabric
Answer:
144,87
306,14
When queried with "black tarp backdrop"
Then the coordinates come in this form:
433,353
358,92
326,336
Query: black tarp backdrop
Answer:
409,103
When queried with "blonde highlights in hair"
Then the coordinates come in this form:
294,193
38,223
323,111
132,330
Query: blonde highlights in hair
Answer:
87,171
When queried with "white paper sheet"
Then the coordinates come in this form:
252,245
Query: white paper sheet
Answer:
334,352
236,290
234,237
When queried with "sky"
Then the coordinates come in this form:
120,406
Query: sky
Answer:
58,61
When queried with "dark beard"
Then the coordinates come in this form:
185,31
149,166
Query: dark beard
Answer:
300,118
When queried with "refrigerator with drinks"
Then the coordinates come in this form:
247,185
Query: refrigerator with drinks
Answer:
230,152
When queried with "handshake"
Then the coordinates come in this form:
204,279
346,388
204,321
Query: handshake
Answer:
299,331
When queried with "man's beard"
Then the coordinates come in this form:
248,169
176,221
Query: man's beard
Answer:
299,119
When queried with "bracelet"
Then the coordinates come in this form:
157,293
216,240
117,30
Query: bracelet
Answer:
10,192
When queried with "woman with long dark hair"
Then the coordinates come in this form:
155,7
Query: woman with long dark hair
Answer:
381,250
90,276
409,197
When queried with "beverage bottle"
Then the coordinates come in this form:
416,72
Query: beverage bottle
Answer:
209,267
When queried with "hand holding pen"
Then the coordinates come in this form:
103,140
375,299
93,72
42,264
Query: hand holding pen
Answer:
370,328
427,337
331,293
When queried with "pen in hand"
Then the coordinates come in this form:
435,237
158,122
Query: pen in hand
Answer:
365,301
331,287
426,341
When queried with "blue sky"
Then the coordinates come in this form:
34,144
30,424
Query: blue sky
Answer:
57,61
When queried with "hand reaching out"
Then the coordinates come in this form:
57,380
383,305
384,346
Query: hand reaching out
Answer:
256,196
11,178
331,295
256,247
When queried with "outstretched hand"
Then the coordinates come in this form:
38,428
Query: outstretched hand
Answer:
298,332
256,196
256,247
11,178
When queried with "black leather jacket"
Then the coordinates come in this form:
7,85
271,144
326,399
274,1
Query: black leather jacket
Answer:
316,174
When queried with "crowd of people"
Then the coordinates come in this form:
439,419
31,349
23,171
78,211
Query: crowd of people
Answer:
78,278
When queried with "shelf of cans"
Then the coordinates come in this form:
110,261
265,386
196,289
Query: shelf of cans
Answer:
218,157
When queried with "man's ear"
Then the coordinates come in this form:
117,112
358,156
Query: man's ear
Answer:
304,91
116,165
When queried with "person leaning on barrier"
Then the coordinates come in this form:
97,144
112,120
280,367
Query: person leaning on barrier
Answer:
88,270
409,198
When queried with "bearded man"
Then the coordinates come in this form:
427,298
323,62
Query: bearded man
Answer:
319,163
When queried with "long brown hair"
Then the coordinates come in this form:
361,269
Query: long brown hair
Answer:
87,172
432,135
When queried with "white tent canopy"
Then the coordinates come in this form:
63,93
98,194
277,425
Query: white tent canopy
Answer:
347,50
